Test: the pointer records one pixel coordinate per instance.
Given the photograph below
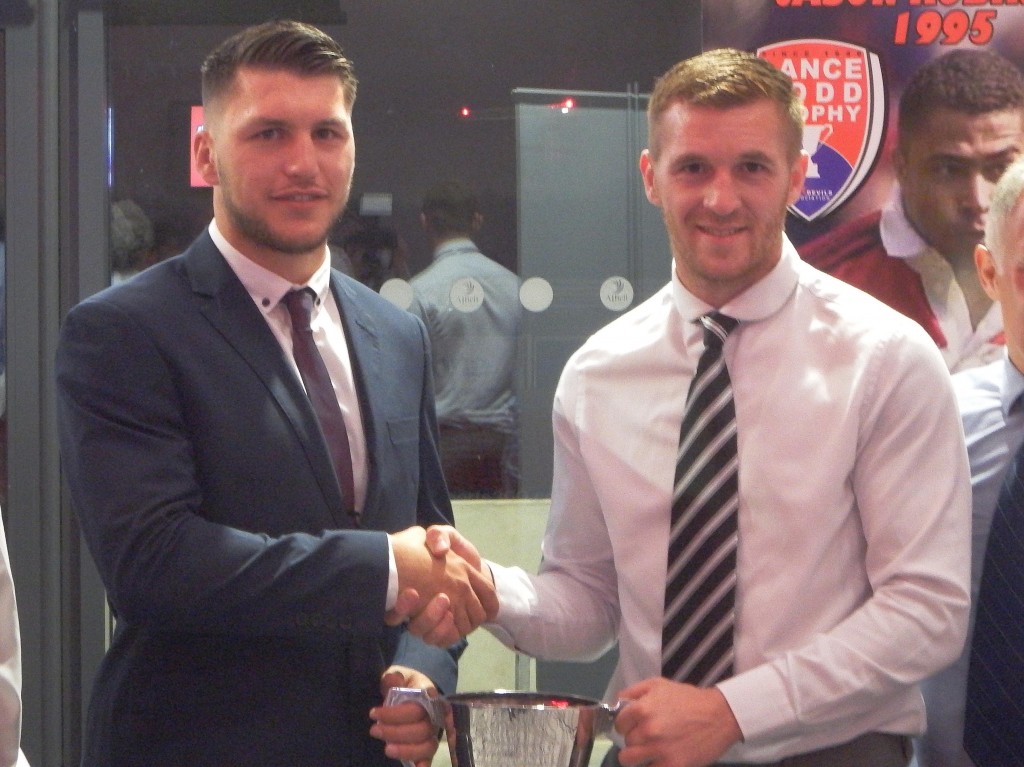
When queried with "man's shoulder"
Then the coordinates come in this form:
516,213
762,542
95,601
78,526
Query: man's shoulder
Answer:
856,242
856,309
632,332
354,295
854,253
160,285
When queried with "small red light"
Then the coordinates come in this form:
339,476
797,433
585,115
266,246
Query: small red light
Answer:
569,103
464,112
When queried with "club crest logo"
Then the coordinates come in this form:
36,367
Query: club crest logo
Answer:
845,102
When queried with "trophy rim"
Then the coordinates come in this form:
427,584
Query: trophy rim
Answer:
522,699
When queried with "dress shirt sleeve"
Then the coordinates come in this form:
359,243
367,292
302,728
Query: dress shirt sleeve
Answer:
910,486
10,664
570,609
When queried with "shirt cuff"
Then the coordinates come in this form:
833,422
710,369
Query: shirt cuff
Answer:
754,697
392,596
514,602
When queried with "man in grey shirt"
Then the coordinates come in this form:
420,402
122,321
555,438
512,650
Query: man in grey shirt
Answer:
470,305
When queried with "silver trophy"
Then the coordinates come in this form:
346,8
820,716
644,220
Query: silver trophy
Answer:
514,729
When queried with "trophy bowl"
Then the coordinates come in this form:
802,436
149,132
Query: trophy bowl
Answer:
509,728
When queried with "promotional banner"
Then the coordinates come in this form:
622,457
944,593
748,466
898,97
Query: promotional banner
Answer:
851,59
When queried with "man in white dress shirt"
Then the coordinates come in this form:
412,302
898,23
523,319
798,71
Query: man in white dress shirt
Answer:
852,565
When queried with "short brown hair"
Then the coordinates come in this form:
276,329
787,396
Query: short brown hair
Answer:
722,78
450,208
288,45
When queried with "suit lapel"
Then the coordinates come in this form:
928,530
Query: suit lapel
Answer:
364,353
230,310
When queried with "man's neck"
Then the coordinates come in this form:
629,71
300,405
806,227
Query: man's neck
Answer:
441,242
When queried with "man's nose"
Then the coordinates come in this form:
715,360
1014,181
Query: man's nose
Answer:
720,195
301,160
978,195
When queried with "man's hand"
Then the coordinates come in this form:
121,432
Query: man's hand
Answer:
669,724
444,538
444,595
405,728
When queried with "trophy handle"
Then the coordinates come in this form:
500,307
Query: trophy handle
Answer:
607,713
398,695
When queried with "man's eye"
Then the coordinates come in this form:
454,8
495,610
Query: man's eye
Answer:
993,170
948,170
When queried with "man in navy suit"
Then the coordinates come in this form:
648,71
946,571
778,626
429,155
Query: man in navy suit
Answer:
259,612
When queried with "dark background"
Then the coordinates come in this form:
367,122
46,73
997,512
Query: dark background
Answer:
418,63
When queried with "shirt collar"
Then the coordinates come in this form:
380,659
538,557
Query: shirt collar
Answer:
454,245
1013,387
899,238
266,287
759,301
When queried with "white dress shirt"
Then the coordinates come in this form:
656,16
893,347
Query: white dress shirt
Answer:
853,561
267,289
966,346
993,418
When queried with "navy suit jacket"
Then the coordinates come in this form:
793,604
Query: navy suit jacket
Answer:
249,620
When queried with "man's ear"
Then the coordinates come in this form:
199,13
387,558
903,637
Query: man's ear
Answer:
985,263
647,174
204,157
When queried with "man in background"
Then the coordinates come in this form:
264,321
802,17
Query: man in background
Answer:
470,305
960,124
992,410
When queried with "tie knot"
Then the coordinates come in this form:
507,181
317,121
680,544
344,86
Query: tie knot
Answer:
717,327
300,306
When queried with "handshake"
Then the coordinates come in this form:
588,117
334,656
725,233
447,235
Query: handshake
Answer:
444,589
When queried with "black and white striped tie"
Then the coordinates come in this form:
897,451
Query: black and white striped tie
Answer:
697,636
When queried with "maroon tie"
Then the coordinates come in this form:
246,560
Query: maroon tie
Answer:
320,391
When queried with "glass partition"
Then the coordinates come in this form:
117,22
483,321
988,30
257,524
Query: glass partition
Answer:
508,100
538,108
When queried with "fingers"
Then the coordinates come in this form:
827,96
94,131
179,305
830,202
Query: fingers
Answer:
439,539
442,539
406,604
441,562
483,587
405,728
406,731
435,623
474,601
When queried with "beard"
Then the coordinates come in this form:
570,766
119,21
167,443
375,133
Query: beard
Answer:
257,232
